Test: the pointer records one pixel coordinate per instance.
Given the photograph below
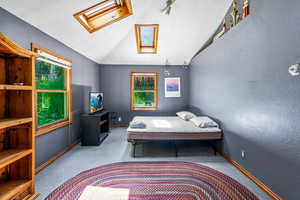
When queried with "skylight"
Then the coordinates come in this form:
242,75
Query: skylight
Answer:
146,38
147,35
103,14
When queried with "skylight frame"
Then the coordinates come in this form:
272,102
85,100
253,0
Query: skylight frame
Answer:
103,14
146,49
101,7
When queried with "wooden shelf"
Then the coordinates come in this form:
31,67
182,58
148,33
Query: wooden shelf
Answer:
11,155
9,122
10,188
15,87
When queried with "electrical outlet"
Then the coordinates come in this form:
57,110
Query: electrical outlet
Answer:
243,153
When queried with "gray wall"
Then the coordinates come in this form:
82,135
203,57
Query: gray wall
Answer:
86,75
115,83
242,81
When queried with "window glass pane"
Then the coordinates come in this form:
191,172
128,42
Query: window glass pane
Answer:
144,82
51,107
144,99
147,35
49,76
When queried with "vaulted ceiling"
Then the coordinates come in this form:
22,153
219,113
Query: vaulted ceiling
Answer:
181,34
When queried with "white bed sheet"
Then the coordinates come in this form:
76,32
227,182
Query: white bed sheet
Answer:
169,124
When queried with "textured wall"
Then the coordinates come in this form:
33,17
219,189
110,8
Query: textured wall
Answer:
85,78
115,83
242,80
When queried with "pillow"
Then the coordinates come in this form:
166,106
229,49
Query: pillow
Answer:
185,115
137,125
204,122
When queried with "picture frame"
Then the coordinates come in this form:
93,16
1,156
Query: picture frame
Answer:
172,87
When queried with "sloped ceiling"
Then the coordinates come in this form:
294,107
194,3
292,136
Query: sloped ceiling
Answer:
181,34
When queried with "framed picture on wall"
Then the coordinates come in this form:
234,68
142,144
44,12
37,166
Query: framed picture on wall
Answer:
172,87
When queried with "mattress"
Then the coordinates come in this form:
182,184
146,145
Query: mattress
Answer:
171,128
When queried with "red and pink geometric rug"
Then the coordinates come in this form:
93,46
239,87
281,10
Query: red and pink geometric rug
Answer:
157,181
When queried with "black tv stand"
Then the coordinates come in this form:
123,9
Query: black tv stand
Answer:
95,128
97,112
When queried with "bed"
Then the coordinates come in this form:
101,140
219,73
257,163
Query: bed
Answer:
170,129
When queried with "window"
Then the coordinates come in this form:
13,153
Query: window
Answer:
143,90
103,14
53,90
146,38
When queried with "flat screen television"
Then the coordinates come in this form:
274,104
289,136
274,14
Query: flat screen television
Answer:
96,102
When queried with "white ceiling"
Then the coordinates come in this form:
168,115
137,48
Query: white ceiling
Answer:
181,34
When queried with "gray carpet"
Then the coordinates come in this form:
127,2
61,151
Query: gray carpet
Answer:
116,149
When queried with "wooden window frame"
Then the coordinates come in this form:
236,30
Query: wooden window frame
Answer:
140,47
61,123
124,10
132,91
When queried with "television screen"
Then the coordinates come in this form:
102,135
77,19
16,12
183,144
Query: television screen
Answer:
96,101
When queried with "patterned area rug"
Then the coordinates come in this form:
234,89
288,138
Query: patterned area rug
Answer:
157,181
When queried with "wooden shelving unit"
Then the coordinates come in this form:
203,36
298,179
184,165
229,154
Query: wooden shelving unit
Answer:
17,121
